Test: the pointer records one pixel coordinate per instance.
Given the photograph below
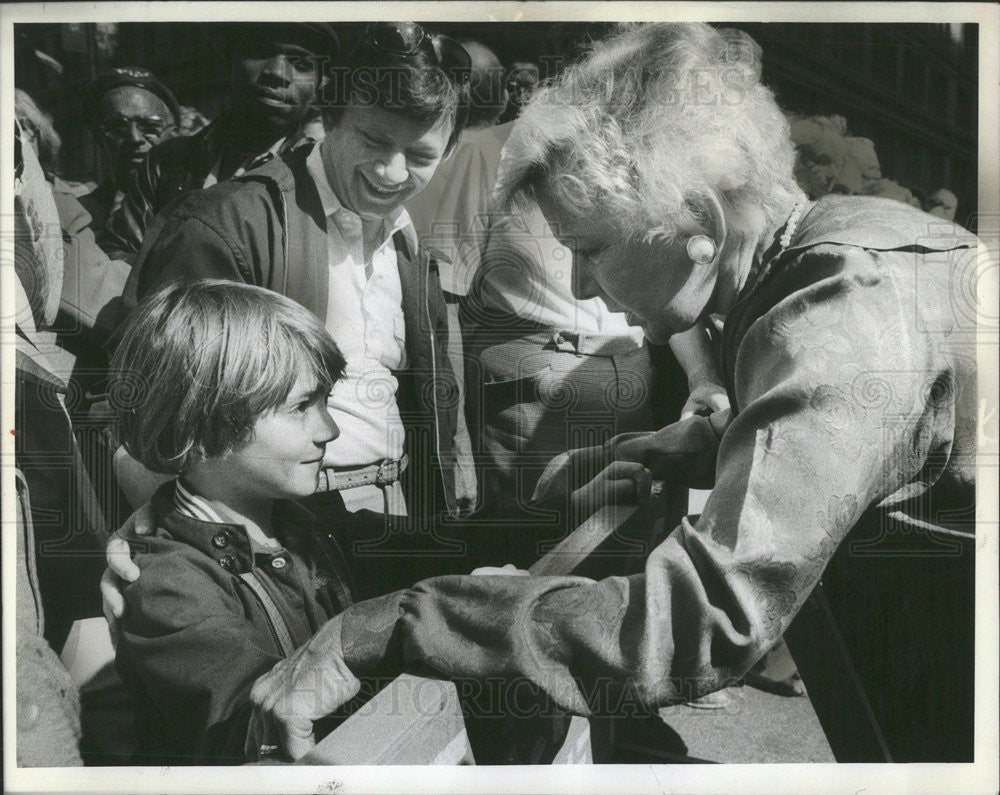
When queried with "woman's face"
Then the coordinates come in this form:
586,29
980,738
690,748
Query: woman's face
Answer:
655,282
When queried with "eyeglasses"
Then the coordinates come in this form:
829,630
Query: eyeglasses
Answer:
407,39
120,127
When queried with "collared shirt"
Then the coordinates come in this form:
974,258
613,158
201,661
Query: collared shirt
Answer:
365,319
194,506
210,614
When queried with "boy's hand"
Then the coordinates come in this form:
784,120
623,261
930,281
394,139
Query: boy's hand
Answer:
121,569
310,684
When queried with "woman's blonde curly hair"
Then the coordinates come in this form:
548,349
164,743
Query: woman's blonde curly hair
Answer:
646,124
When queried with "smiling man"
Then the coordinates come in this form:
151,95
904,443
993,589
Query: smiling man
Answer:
325,226
277,74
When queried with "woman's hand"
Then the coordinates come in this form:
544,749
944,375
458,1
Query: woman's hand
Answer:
705,397
619,483
507,570
121,569
575,470
558,478
310,684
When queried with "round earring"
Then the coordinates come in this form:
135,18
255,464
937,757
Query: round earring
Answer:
701,249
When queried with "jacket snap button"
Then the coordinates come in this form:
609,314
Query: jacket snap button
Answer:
228,562
220,540
278,563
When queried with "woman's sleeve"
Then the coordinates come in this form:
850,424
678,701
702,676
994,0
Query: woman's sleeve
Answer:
191,657
796,468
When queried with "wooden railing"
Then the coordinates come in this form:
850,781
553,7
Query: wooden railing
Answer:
417,720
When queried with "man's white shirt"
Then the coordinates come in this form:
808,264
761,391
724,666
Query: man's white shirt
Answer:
365,319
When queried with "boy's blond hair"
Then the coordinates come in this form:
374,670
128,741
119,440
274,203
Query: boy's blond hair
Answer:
200,361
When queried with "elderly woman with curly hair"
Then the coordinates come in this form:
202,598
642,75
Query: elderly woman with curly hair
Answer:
666,167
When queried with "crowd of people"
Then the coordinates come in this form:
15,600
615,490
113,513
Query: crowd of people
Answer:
327,350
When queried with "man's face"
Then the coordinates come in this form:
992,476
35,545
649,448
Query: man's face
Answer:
276,83
376,160
131,121
521,83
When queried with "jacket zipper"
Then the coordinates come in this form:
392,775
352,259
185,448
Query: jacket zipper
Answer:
279,630
434,374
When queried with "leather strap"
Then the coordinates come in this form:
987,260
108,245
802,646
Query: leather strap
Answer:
383,473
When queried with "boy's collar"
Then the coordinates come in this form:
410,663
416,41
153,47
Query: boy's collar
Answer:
189,502
228,542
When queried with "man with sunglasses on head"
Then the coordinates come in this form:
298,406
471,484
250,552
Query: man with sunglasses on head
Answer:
325,225
277,73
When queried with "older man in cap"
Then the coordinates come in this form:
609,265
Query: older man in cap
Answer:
276,77
130,111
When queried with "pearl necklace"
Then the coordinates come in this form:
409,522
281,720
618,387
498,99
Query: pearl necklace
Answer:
793,220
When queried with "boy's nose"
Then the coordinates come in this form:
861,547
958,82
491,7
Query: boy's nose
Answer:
330,429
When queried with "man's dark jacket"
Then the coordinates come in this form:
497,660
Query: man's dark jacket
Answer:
268,228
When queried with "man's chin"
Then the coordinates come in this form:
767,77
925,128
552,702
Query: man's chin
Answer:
660,332
655,335
279,119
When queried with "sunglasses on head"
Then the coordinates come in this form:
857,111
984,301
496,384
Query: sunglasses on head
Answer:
405,40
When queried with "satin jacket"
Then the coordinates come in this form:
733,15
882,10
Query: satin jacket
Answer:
850,360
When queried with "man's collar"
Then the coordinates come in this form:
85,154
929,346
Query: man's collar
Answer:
217,134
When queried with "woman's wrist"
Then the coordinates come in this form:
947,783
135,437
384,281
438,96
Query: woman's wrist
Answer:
701,377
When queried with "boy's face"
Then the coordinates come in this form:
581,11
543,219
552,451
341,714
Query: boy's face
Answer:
376,160
285,452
